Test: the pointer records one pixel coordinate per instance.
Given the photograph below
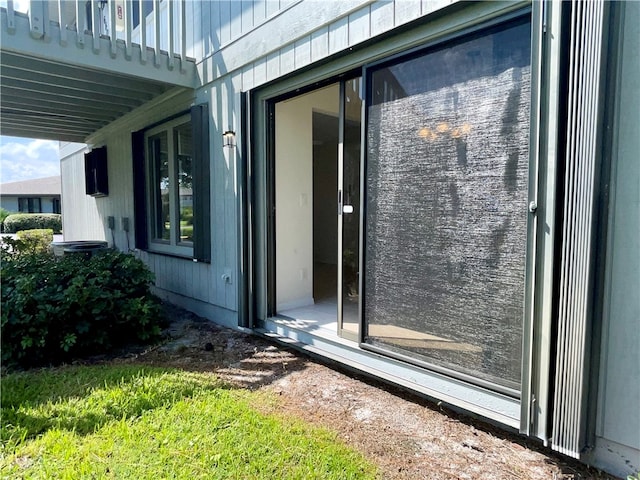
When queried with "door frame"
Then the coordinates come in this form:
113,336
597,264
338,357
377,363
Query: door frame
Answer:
535,393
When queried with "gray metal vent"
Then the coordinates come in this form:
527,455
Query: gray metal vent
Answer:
576,270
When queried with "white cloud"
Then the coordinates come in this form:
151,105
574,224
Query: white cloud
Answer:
23,159
18,5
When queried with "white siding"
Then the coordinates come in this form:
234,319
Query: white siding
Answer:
81,216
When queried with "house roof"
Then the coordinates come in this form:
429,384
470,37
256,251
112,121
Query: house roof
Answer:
35,187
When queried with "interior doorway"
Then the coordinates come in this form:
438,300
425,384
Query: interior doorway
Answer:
316,257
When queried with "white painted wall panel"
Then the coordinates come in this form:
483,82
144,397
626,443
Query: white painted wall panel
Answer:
287,59
81,218
235,21
247,15
302,49
319,44
338,35
407,10
382,17
359,25
273,66
272,6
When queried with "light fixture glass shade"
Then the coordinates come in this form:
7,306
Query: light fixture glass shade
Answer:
229,139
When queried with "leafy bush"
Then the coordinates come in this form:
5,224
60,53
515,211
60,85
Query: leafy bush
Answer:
55,310
30,241
3,214
29,221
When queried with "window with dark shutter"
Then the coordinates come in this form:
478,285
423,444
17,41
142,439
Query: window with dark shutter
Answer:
171,186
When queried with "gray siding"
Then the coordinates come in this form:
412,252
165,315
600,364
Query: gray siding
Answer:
295,35
618,426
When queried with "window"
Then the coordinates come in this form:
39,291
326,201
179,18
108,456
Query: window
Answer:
446,225
171,195
55,205
147,8
29,205
169,162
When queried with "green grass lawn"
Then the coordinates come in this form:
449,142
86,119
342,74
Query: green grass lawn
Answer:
142,422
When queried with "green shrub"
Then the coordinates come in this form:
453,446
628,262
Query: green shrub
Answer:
30,241
29,221
55,310
3,214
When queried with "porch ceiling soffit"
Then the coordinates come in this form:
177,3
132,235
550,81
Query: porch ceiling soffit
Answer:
50,97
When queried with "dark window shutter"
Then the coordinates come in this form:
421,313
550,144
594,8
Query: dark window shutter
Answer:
96,173
201,182
139,190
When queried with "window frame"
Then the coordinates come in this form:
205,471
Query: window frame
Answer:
201,168
173,246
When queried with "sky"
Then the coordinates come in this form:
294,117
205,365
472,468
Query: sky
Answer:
25,158
22,158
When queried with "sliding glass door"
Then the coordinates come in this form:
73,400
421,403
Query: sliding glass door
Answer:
349,158
446,205
317,138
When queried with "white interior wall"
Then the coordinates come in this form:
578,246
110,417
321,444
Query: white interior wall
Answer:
294,195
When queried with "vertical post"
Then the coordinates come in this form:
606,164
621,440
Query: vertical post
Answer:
143,33
36,18
11,17
80,23
96,26
128,26
183,34
170,32
156,26
112,27
62,24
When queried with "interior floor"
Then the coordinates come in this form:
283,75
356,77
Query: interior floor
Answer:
323,314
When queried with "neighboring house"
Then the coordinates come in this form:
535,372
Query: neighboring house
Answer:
39,195
440,194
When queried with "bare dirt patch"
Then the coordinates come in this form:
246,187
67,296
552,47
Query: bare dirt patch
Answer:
406,436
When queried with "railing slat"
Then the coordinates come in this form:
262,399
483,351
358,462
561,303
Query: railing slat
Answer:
156,26
81,23
96,19
171,46
36,18
113,36
11,17
183,35
128,26
62,24
143,33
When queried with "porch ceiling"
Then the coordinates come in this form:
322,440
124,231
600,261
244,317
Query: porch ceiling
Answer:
50,100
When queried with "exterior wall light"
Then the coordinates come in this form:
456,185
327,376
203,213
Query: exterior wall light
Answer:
229,139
